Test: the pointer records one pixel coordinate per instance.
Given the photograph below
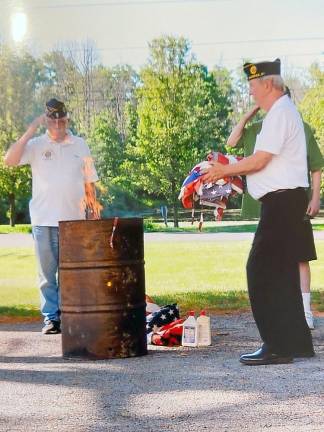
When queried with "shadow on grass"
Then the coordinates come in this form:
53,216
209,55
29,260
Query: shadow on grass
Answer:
222,301
19,311
229,301
206,229
18,229
208,300
249,228
152,227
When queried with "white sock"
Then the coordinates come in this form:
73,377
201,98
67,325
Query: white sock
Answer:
306,302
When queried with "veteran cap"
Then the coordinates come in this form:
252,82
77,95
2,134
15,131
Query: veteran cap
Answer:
258,70
55,109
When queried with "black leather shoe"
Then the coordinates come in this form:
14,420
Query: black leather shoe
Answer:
264,357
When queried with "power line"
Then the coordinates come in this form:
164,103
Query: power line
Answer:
305,54
194,44
249,41
122,3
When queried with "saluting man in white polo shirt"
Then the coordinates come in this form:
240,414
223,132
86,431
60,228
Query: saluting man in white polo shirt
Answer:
63,176
277,176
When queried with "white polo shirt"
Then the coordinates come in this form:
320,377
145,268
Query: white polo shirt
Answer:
59,172
283,135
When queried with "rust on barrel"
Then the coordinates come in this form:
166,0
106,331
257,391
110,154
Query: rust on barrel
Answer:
102,282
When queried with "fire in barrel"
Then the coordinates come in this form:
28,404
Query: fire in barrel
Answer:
102,282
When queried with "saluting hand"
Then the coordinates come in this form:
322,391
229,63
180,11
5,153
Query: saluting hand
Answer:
39,121
36,123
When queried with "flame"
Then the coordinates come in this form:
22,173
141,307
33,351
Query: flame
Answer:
90,204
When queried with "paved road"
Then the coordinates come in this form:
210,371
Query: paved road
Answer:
177,390
25,240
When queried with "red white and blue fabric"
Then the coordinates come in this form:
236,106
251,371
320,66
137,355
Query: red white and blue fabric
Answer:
212,194
168,335
163,324
165,315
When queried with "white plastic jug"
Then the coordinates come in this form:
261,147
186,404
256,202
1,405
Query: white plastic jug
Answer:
189,334
204,331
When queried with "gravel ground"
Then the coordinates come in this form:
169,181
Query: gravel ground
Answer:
179,389
175,390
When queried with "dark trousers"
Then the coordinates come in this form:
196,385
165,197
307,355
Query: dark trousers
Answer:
273,274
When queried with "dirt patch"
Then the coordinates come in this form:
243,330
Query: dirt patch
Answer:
7,319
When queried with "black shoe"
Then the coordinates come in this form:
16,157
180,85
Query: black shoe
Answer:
264,357
52,327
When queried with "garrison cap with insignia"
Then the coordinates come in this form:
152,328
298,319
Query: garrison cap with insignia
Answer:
258,70
55,109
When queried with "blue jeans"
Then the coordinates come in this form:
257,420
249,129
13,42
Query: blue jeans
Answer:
46,249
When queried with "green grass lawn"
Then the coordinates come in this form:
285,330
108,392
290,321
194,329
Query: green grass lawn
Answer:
193,274
20,228
208,227
18,282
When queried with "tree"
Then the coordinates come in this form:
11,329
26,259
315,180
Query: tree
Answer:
182,113
70,73
20,77
110,131
240,98
312,105
15,184
115,89
107,146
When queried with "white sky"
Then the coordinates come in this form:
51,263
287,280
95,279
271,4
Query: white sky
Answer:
222,32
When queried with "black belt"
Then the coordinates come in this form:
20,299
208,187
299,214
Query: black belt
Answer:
269,194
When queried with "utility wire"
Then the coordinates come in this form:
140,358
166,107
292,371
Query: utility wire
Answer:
201,44
122,3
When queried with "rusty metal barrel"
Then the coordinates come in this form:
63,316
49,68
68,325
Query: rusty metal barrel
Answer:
102,283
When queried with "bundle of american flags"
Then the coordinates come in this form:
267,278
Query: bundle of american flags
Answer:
168,335
165,315
163,324
214,195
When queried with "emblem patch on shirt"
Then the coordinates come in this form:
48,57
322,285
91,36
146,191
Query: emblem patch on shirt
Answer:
47,155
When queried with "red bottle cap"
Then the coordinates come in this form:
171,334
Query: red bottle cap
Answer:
203,312
192,313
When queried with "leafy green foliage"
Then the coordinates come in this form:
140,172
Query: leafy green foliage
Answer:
312,105
107,146
182,114
146,130
20,78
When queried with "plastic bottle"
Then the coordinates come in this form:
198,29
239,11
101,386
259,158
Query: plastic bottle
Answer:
189,334
203,329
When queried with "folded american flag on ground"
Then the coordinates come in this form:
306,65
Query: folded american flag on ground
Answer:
212,194
163,324
165,315
168,335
